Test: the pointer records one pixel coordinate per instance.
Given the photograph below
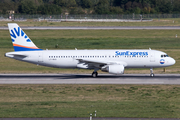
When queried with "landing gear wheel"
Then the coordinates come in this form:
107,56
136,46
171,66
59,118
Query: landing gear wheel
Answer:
94,74
152,74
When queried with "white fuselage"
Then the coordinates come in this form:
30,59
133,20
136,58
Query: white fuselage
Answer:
73,58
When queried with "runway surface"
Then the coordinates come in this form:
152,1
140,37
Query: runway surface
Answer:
87,79
101,28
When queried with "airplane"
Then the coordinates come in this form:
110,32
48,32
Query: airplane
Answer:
112,61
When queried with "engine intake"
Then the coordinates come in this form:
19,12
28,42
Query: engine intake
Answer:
113,69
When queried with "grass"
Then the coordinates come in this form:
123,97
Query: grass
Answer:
99,39
163,40
142,101
155,22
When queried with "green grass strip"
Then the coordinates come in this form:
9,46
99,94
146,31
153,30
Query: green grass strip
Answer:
141,101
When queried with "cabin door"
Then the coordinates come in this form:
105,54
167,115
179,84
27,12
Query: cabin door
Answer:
40,57
152,57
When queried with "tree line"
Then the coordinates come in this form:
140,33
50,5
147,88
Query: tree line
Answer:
90,6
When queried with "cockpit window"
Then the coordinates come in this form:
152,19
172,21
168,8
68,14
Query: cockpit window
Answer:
164,56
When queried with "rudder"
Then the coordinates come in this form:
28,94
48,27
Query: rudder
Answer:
20,41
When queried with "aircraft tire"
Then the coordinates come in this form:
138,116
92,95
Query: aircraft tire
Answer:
94,74
152,74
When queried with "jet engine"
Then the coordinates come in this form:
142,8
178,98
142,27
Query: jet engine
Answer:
113,69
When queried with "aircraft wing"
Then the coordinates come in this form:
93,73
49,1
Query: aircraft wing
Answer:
89,63
92,61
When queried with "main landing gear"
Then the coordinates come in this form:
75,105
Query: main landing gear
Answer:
152,74
95,73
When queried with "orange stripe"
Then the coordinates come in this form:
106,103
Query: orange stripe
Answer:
24,46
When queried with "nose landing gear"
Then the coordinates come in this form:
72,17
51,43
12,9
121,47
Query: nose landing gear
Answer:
152,74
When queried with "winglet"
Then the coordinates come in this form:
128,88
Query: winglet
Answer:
21,42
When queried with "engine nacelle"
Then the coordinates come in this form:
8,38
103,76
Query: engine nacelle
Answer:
113,69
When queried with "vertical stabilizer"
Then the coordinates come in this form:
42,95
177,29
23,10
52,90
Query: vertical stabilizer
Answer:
21,42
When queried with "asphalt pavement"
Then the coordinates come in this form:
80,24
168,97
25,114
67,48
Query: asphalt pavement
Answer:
172,79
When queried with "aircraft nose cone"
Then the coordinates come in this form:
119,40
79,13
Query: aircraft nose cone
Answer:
172,61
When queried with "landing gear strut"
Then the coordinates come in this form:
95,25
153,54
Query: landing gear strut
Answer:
152,74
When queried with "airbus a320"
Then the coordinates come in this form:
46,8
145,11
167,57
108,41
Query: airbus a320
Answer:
112,61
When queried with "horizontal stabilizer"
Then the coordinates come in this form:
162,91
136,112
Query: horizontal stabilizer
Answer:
15,54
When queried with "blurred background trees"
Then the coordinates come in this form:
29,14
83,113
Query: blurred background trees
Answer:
90,6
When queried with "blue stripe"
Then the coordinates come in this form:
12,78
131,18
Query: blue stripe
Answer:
13,35
16,48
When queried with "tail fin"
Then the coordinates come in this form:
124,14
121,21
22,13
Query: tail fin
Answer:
20,40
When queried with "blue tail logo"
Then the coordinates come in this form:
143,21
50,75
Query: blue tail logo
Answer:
17,31
20,40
